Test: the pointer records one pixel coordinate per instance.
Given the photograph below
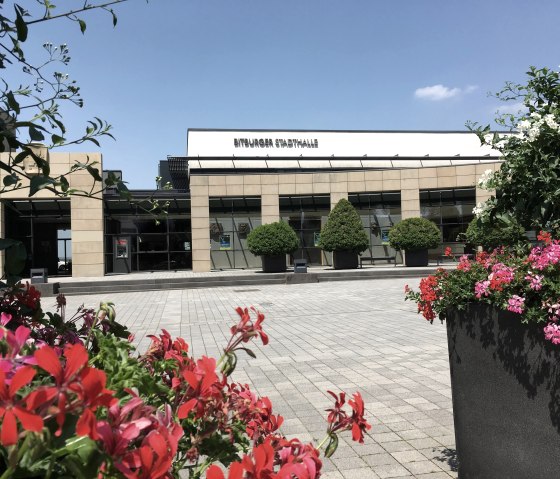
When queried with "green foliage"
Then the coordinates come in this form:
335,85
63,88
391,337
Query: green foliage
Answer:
491,235
16,256
414,233
344,230
528,178
124,371
31,104
272,239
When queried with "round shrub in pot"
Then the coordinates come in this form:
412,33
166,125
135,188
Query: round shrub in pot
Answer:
491,235
272,242
415,236
344,235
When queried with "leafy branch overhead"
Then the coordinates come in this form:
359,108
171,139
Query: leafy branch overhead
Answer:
527,180
30,111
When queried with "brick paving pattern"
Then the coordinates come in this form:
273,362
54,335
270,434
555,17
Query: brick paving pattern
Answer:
353,335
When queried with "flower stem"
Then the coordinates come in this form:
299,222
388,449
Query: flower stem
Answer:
322,443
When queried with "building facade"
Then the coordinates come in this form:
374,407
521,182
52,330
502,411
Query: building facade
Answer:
231,181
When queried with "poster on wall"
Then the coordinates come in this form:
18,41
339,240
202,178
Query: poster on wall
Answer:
122,248
316,239
225,242
385,236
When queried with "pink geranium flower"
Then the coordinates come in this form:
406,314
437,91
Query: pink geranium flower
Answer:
516,304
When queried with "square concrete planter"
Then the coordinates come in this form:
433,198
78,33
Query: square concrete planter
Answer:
274,263
416,257
505,381
345,260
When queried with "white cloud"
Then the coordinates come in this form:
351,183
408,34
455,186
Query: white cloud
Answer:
441,92
513,108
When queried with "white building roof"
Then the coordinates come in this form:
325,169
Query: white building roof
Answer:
320,149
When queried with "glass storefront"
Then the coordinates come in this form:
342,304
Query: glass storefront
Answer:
135,241
379,212
306,214
231,220
44,228
450,209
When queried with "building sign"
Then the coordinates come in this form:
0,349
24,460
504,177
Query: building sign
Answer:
365,145
275,143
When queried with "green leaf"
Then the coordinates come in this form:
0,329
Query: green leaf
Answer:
332,445
35,134
20,157
12,102
64,184
38,183
57,139
114,18
7,243
10,180
21,26
123,191
82,25
93,140
249,352
94,172
15,258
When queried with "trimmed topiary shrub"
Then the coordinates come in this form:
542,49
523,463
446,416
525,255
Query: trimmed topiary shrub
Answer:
272,239
343,230
414,234
491,235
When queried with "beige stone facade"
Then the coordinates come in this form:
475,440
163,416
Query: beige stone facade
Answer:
409,181
86,216
86,212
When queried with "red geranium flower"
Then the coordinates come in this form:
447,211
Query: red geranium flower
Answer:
359,424
235,471
47,359
11,408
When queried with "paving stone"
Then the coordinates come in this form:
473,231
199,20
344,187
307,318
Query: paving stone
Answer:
408,456
422,467
391,471
356,335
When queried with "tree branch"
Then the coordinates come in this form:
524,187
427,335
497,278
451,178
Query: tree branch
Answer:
74,12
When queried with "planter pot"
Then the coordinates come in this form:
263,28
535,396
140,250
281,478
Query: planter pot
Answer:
505,382
345,260
274,263
416,257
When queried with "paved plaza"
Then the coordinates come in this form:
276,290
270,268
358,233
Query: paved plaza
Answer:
347,335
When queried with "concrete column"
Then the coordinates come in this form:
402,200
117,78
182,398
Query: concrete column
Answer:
410,194
200,224
270,208
86,216
88,253
339,187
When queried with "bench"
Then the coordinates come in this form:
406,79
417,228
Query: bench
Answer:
372,259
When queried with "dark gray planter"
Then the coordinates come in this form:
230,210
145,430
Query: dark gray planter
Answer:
505,381
345,260
416,257
274,263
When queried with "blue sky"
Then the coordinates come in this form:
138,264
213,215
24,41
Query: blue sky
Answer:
170,65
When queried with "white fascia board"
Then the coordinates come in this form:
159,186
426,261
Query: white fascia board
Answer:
231,143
